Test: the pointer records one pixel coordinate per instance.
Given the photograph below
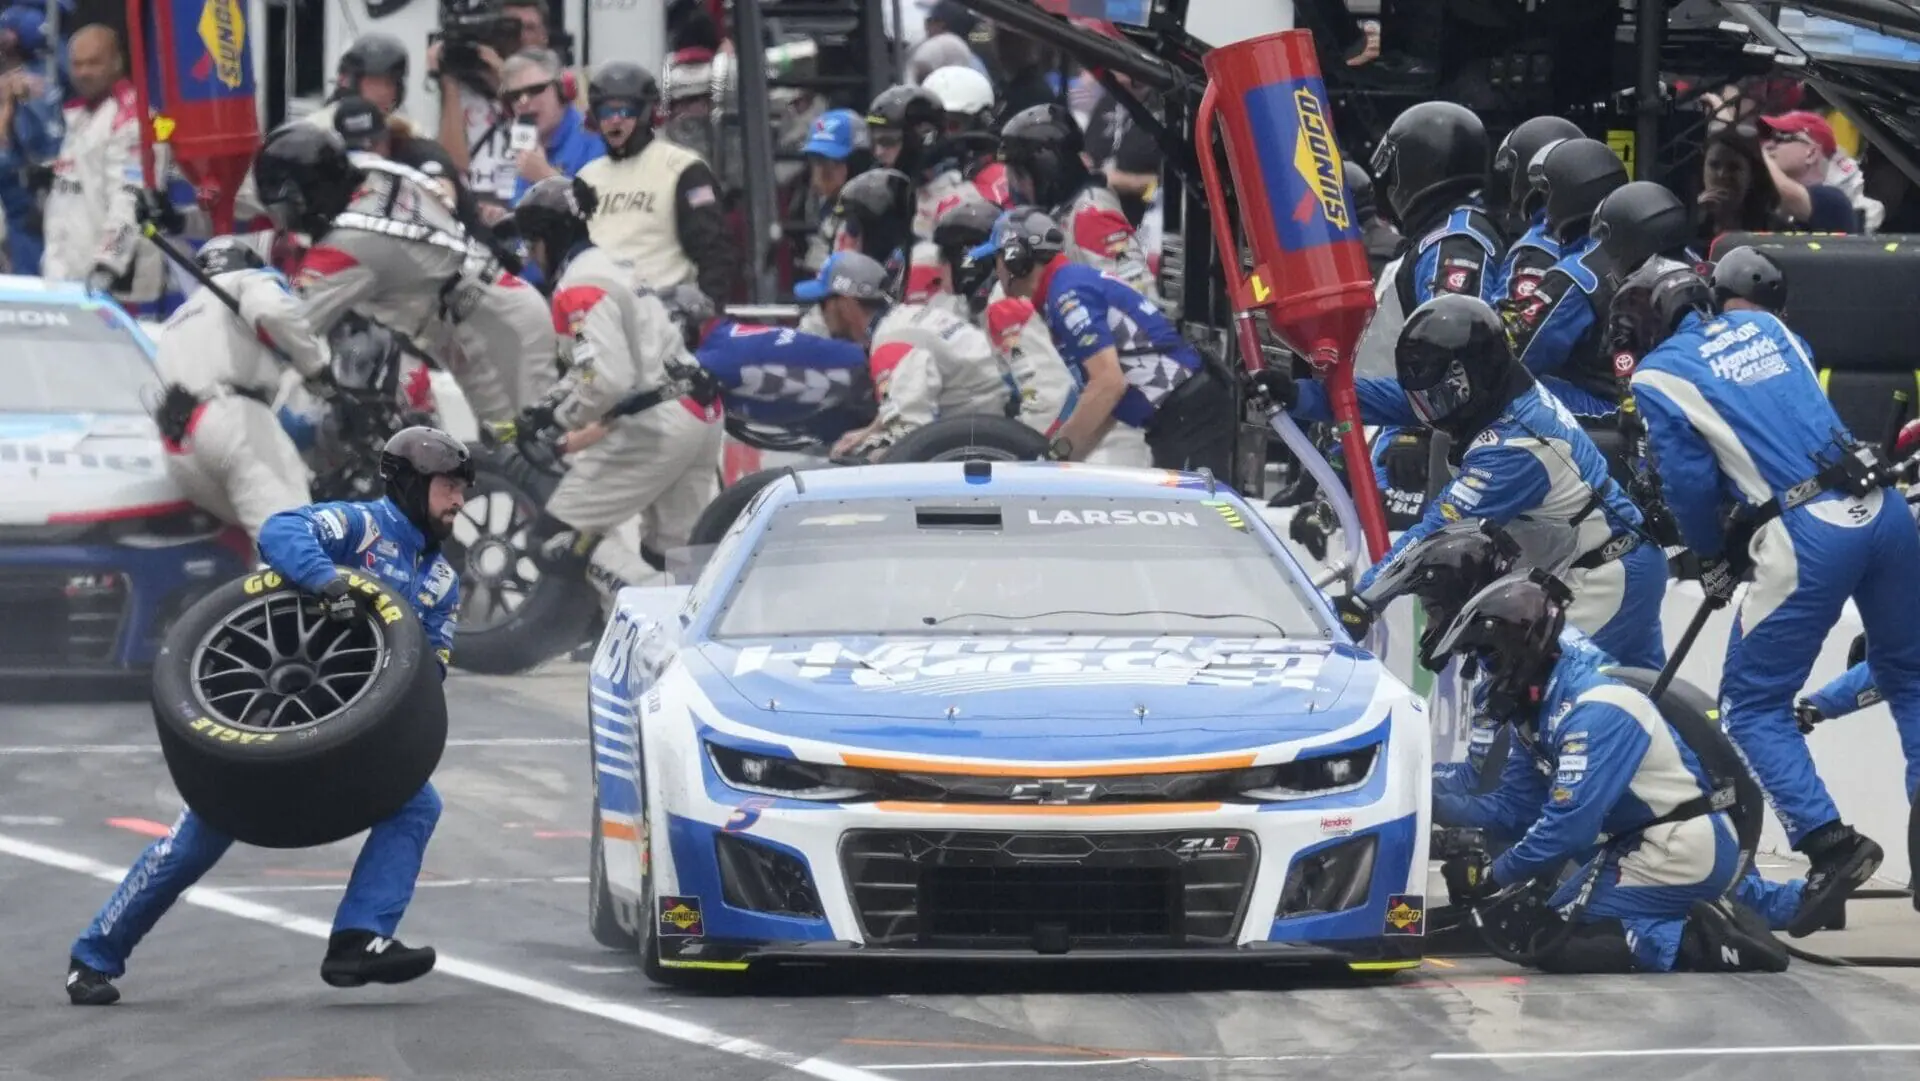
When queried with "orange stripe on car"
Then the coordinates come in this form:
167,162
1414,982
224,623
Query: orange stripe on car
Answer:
619,831
1044,769
1074,810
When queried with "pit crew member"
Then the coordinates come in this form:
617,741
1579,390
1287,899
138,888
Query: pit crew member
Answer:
837,150
968,147
1598,775
661,463
1734,413
659,203
907,125
1045,154
426,474
92,233
1523,463
926,363
1147,396
1535,252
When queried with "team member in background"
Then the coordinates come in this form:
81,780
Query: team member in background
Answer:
373,68
1559,328
1147,396
968,164
1377,234
1017,329
476,127
1535,252
837,150
1735,413
31,111
876,212
661,463
908,125
1597,775
1046,167
658,206
927,364
426,474
1523,463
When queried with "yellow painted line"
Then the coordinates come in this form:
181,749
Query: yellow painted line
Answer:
714,966
1441,962
1382,966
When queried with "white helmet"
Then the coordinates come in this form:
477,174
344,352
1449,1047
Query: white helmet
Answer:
960,90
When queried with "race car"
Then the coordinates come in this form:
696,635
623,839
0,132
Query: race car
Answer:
98,551
996,711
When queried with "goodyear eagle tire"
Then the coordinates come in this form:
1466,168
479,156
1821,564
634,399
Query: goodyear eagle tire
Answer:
286,730
720,514
515,611
958,439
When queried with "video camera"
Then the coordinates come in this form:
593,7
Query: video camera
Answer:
465,26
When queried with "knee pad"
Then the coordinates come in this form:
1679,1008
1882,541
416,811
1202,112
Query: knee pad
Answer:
1598,948
1726,936
1857,652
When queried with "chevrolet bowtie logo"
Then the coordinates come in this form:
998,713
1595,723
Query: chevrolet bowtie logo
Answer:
1060,791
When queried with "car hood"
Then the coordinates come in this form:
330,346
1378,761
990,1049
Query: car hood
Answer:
1039,698
52,464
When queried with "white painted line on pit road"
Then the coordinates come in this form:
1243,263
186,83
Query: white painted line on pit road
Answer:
154,748
498,979
1688,1052
425,884
1139,1060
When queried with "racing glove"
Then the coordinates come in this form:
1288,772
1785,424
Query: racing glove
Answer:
155,209
1718,580
1312,528
1806,715
1354,614
1059,450
336,600
1407,465
1469,877
1277,385
100,280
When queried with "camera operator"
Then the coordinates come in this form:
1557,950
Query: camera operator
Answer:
464,59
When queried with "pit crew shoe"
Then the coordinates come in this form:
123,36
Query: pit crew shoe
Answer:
1722,936
1841,865
358,958
89,987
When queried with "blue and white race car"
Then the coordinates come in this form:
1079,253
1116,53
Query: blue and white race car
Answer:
98,550
963,710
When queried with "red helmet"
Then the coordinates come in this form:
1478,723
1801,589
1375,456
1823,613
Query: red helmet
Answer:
1908,442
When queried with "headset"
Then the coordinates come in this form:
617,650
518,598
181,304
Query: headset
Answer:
1023,248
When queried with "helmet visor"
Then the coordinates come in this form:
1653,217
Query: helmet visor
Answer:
1443,399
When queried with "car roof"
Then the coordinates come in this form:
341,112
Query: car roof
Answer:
920,480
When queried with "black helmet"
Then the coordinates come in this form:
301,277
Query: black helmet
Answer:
1445,569
1433,153
916,116
224,254
359,122
373,54
1360,190
956,234
1512,628
1024,237
622,81
1516,152
304,177
878,206
1637,222
554,211
1572,177
408,464
1453,360
1750,275
1651,301
1043,144
366,356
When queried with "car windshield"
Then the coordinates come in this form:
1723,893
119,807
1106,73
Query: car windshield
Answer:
1066,565
69,358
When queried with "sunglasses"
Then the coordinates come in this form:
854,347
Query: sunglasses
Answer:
515,97
616,112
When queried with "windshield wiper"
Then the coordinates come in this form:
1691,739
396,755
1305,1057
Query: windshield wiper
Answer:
935,621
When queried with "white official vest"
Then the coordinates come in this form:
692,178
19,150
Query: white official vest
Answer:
637,219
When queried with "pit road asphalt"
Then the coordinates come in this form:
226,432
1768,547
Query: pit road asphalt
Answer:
228,984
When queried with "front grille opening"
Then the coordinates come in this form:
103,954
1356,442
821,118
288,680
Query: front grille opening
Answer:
61,618
1038,904
1333,879
756,878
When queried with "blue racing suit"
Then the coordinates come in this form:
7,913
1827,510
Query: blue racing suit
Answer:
803,382
304,545
1735,413
1527,261
1087,311
1559,332
1536,473
39,125
1606,763
1853,689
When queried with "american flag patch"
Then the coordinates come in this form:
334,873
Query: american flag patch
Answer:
701,196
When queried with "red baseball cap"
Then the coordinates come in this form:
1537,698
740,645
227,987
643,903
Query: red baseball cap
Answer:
1800,122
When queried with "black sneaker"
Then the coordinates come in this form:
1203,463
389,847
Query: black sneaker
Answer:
357,958
89,987
1842,863
1723,936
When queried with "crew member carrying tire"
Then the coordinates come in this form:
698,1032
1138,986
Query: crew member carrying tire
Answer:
1147,397
1045,154
660,463
225,447
398,538
927,364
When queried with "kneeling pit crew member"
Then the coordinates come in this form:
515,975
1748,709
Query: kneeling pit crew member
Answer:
1147,396
426,474
1045,154
1599,776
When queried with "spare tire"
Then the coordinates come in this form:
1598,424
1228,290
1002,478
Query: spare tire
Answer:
515,610
286,730
720,514
958,439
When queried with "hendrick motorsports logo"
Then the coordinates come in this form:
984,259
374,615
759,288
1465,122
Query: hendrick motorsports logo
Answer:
223,29
1005,663
1317,157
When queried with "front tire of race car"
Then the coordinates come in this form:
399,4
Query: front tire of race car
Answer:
603,914
720,514
285,729
970,438
516,609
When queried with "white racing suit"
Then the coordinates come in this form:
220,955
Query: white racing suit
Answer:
948,189
661,463
397,254
929,281
927,364
1099,235
233,460
1020,338
89,213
